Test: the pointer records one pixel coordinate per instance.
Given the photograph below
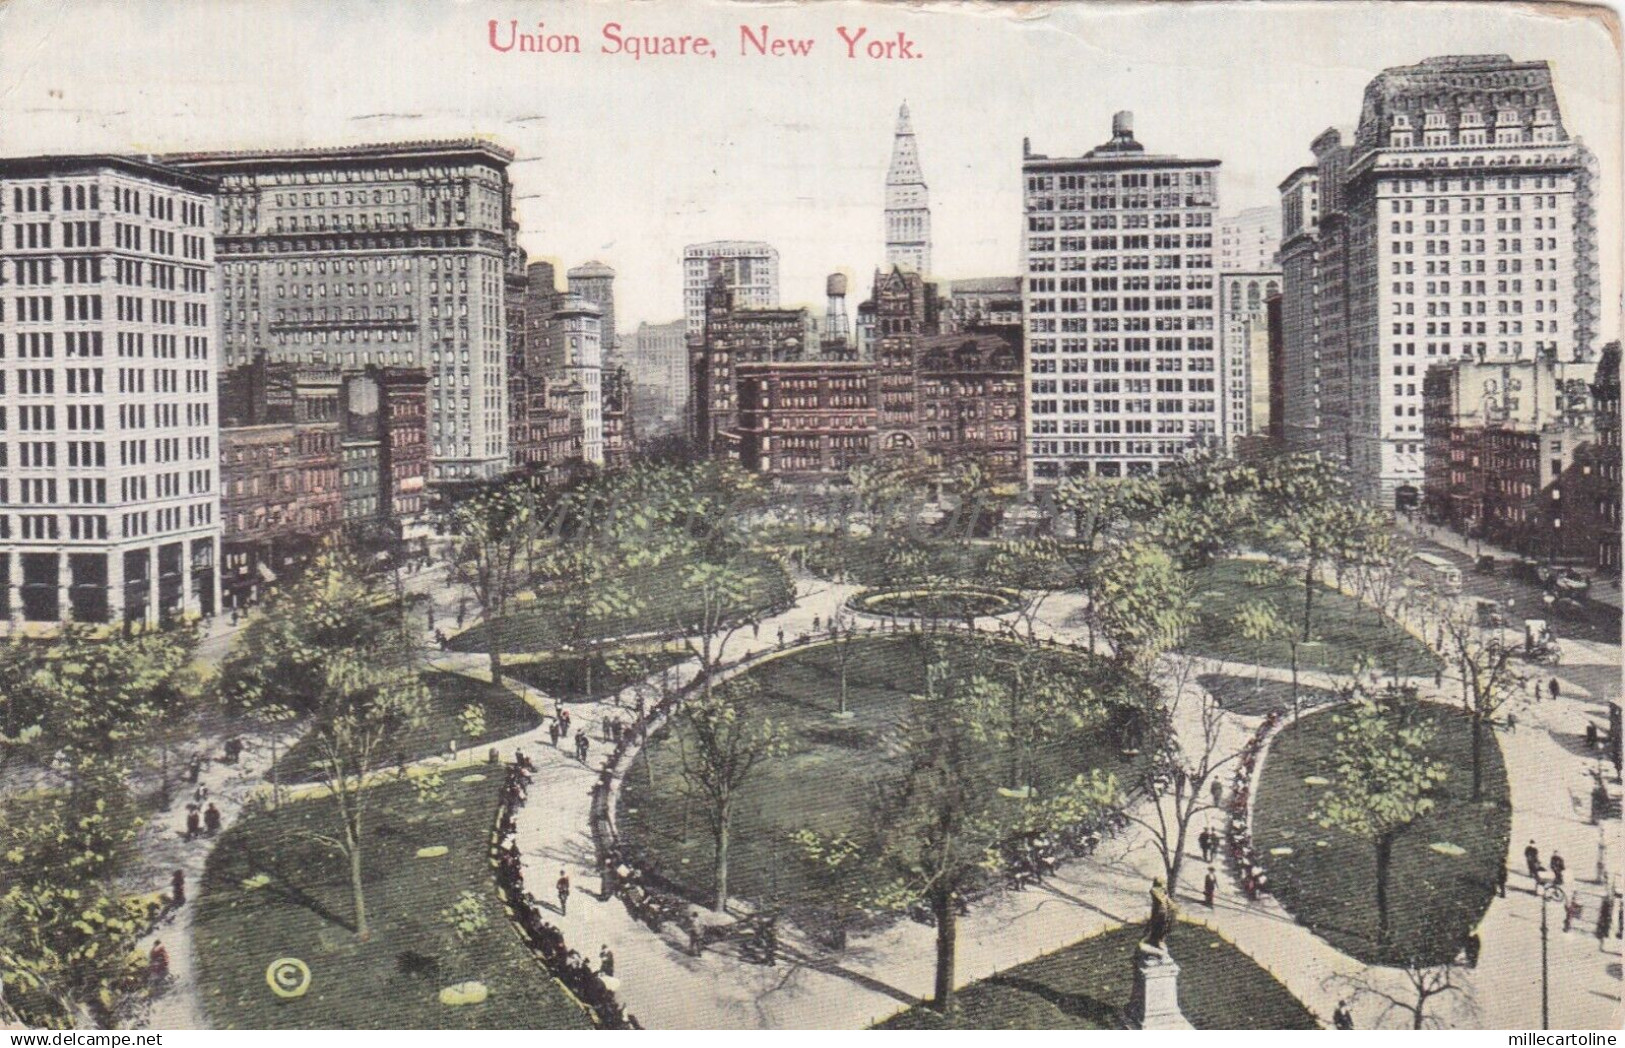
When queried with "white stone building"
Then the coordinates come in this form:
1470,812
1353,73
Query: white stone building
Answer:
109,438
1119,303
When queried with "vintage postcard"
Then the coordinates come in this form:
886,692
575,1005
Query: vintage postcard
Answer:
713,515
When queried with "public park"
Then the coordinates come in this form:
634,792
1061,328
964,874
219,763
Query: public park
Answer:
1201,750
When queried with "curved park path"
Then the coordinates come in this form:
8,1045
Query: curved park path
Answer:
880,974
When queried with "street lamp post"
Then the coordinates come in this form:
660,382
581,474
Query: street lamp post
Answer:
1552,894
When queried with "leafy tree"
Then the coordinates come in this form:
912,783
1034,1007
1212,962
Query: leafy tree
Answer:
494,535
1025,696
70,949
24,704
1382,784
1102,506
333,648
721,590
1032,569
1141,602
1204,506
1313,518
722,742
937,829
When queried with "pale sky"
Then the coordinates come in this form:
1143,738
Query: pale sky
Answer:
627,161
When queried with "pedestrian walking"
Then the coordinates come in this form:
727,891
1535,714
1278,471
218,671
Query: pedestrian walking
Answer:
581,746
695,943
157,963
211,820
1501,880
606,961
1210,885
815,623
562,886
781,636
1605,919
1531,858
1472,948
1571,913
1555,688
755,629
1216,788
177,888
1558,866
553,732
1342,1018
193,822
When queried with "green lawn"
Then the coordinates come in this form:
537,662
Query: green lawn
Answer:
662,598
1342,627
302,910
506,715
1435,899
565,677
1086,986
826,782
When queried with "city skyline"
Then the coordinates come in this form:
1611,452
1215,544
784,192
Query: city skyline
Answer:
803,170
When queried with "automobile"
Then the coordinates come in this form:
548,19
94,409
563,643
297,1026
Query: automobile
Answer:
1484,565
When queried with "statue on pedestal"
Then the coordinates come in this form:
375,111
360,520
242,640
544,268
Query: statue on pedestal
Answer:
1154,1002
1161,922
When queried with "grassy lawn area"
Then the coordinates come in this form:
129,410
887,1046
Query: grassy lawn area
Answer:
565,677
1253,697
302,908
1086,986
826,781
662,598
1436,897
505,715
1344,628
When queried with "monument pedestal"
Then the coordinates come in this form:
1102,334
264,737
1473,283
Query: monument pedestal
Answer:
1154,1003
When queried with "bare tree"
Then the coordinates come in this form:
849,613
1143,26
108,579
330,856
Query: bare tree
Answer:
1424,988
1191,757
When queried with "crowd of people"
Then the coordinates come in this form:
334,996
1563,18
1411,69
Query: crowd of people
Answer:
543,938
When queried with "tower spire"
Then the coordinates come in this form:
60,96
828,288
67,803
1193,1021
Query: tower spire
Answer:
908,206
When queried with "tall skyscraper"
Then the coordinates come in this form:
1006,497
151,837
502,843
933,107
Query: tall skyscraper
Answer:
1249,239
109,500
376,255
595,282
750,269
1244,350
1458,223
1118,301
908,204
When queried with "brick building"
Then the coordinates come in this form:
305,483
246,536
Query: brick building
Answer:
733,335
969,388
806,420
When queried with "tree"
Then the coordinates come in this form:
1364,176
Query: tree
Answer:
1490,676
1190,756
1102,506
937,828
843,635
721,590
1141,602
70,946
493,537
1031,569
1424,987
334,649
368,697
1202,506
1026,696
1381,785
722,742
1313,517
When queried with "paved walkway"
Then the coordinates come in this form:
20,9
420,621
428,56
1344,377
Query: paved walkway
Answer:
878,975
